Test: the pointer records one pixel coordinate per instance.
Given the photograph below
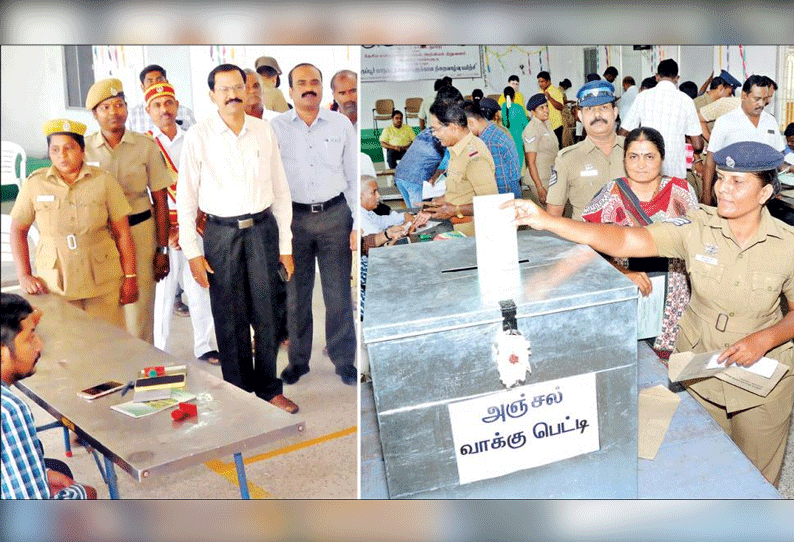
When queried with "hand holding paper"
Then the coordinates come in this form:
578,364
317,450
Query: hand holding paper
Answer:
745,352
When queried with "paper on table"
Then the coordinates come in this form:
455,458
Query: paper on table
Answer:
656,408
139,410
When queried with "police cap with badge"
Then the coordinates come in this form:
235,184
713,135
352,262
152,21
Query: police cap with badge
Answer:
102,90
63,126
750,156
595,93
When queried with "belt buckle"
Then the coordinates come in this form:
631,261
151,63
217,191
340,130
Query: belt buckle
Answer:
245,223
723,322
71,241
317,207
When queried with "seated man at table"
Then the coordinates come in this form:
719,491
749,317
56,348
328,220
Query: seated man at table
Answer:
24,475
396,139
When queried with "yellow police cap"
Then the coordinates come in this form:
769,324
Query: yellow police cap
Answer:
102,90
61,126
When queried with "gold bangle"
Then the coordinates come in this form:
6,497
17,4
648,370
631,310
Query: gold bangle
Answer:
130,276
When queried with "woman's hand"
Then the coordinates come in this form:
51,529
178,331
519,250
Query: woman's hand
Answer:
745,352
542,193
527,213
129,291
641,280
32,285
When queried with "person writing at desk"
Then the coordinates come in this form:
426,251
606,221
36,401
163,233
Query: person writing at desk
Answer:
76,207
24,472
641,198
739,261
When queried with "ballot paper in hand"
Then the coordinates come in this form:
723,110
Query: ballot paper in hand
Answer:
497,246
688,366
436,190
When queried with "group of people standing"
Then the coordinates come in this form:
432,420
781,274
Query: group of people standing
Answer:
233,206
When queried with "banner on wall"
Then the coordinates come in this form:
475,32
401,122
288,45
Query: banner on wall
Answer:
419,62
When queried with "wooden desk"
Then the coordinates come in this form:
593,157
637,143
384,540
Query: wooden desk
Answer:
81,351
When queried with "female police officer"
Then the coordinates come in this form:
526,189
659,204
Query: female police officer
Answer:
73,203
739,260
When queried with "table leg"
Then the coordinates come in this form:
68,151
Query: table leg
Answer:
112,482
66,444
241,480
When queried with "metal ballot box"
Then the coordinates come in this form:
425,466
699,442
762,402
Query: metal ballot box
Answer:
449,426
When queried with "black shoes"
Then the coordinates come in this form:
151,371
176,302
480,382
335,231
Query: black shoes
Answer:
348,373
292,374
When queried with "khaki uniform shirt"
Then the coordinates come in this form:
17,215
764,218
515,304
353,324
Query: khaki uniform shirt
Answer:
471,172
136,163
702,101
273,99
76,255
540,138
580,171
735,291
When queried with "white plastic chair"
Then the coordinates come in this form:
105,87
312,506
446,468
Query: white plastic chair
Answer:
8,171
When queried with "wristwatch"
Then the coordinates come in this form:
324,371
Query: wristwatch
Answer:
162,250
457,211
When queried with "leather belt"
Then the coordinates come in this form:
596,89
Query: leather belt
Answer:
240,222
139,217
318,207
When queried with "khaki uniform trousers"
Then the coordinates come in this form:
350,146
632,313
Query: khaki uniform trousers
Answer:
105,306
760,432
139,316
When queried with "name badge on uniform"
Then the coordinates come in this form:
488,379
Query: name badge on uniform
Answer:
588,173
95,164
706,259
45,197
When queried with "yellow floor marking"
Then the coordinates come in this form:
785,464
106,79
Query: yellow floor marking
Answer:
229,470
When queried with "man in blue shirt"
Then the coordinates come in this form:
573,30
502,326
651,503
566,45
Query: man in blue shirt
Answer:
503,150
24,475
320,155
420,163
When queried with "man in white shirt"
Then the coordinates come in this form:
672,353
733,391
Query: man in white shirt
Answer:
138,120
748,122
231,169
670,111
161,105
627,99
320,152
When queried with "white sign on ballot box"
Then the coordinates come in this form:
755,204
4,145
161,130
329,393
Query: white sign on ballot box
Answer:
525,427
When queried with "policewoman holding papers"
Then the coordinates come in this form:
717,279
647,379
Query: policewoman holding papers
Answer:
739,260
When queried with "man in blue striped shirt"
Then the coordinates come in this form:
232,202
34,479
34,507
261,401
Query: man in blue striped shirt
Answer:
24,475
501,145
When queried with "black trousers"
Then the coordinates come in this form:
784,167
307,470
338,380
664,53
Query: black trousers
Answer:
392,156
326,237
242,295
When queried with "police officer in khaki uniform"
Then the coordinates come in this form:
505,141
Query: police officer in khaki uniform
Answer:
137,164
740,260
470,171
75,206
272,98
540,148
582,169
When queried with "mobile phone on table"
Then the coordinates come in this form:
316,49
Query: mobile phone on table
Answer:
100,390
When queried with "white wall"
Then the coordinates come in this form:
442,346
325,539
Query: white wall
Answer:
28,101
